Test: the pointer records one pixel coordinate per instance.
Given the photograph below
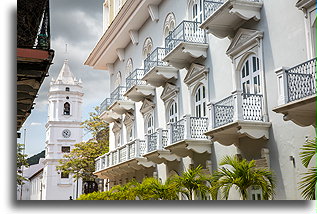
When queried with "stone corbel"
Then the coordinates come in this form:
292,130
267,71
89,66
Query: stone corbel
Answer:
154,12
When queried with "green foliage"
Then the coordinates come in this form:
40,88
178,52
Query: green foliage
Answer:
21,161
308,181
242,174
81,160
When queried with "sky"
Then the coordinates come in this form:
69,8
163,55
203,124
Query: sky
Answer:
77,23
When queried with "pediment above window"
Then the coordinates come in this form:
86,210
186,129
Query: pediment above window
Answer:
147,106
116,127
244,39
170,91
128,119
195,74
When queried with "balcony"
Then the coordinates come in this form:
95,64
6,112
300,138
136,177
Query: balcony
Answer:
106,114
137,89
156,71
223,17
187,135
125,159
237,116
186,44
120,104
297,93
155,144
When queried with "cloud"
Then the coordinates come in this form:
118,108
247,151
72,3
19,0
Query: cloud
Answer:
35,124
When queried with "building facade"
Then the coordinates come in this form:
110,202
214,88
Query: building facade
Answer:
63,130
196,80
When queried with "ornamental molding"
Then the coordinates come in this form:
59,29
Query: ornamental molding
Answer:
244,39
170,91
128,119
195,74
147,106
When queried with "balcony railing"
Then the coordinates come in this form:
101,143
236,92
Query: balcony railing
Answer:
189,128
186,31
122,154
157,140
105,104
118,93
135,78
210,6
240,106
155,59
301,80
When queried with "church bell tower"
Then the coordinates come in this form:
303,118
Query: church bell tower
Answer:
63,130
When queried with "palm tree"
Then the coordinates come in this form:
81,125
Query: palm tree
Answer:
308,182
242,174
193,182
125,192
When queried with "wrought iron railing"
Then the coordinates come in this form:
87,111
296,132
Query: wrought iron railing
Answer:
157,140
210,6
301,80
135,78
225,111
105,104
33,24
186,31
189,128
122,154
118,93
155,59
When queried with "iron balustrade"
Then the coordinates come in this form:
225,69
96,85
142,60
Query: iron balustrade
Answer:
118,93
186,31
155,59
224,111
152,142
210,6
189,128
105,104
301,80
135,78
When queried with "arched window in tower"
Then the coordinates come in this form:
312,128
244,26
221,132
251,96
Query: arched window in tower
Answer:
66,108
67,89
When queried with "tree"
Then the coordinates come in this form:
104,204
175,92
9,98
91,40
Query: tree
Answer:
308,182
21,161
193,183
81,160
242,174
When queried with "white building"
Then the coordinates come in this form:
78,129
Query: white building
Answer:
195,80
63,130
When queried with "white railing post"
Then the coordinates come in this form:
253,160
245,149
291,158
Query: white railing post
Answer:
137,148
170,134
210,107
187,128
237,105
282,85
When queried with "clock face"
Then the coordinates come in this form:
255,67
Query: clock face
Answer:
66,133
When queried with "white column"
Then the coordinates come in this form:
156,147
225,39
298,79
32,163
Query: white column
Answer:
237,103
282,85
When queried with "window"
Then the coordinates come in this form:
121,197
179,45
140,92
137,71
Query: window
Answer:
169,24
129,67
67,89
64,175
66,149
173,112
67,109
118,79
255,193
197,11
147,47
200,102
150,125
250,76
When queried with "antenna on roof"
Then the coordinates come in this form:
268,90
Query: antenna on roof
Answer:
66,54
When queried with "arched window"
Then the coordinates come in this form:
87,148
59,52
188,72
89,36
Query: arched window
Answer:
147,47
169,24
250,76
118,79
173,112
129,66
67,89
196,10
66,108
150,125
200,101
